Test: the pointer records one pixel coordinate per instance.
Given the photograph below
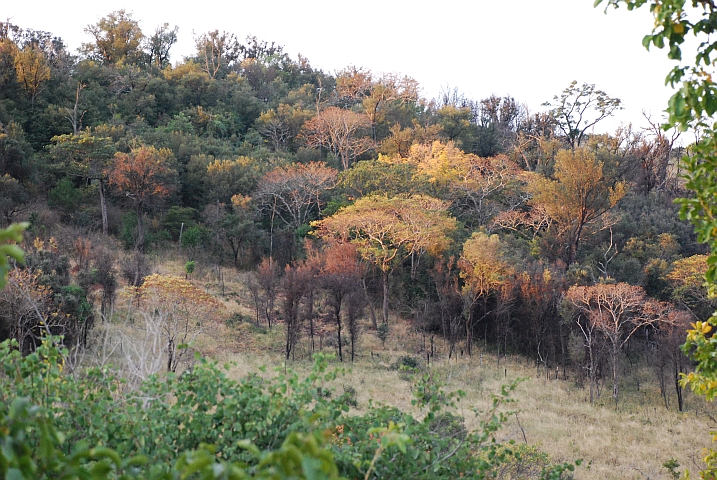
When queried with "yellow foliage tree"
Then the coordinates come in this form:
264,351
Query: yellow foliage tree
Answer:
484,272
176,310
577,197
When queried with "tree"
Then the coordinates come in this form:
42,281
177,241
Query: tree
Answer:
117,39
88,157
217,51
296,286
293,192
484,273
617,311
179,309
159,44
233,225
144,177
375,94
689,290
477,187
579,108
340,277
27,312
387,230
32,71
339,131
226,178
384,176
13,198
577,197
693,106
267,277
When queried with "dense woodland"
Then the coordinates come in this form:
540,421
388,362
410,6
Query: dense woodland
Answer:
347,196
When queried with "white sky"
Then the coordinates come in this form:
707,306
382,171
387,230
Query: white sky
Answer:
530,49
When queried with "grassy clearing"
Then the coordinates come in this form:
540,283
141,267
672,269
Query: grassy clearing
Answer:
629,440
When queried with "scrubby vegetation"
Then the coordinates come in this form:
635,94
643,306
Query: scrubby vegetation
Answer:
242,200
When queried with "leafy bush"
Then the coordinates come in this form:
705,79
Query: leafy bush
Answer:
178,425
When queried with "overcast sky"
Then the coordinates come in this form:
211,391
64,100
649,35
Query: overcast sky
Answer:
529,49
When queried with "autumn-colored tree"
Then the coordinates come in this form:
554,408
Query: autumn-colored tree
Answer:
88,157
400,139
216,51
178,309
293,193
339,131
32,70
145,178
687,277
484,272
117,39
375,93
296,287
340,278
473,184
617,311
387,230
578,196
27,312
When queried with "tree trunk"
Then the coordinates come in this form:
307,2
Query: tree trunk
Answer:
615,372
371,310
103,207
338,334
678,386
139,246
385,297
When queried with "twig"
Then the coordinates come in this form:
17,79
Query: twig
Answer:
521,427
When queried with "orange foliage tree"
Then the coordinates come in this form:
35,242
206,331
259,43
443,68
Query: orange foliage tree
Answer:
388,229
145,178
577,197
340,278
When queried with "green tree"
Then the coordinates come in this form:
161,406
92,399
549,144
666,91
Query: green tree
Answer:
88,157
579,108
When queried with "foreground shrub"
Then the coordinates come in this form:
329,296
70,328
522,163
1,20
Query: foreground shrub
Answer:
202,421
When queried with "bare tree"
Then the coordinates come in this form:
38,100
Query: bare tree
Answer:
616,311
339,131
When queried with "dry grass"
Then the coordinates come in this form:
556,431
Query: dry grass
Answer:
628,441
631,440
